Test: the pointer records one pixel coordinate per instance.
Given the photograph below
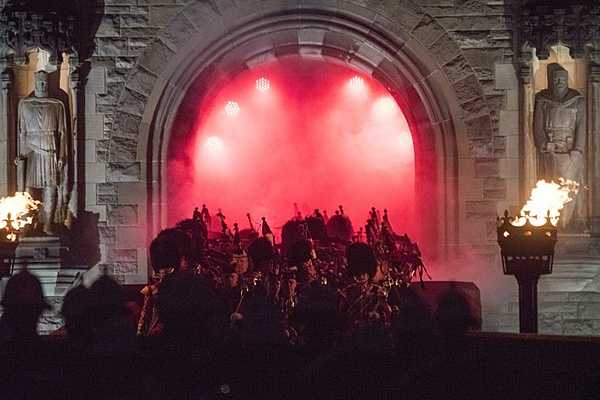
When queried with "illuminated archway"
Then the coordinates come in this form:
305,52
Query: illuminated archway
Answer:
304,131
205,46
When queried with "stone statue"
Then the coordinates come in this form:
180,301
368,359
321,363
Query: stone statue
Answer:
43,153
560,135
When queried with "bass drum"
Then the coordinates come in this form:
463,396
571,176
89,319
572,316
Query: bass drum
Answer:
339,229
317,229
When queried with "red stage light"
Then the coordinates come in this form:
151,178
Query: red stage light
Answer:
356,84
263,84
214,144
232,108
385,107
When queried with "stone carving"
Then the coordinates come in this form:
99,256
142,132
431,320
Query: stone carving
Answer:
560,135
42,161
574,26
20,32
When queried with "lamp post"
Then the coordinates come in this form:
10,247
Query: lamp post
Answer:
527,252
8,246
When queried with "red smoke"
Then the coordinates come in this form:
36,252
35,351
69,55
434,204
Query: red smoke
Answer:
311,138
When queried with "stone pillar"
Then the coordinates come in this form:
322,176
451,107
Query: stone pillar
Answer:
527,160
594,143
77,81
7,144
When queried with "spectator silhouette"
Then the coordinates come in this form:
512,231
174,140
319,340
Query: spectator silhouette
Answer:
187,350
29,367
102,362
317,320
192,314
412,326
75,311
454,317
23,303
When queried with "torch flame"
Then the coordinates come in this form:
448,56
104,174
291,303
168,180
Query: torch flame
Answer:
16,210
547,198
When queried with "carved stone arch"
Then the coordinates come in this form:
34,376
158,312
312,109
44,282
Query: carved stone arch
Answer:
394,41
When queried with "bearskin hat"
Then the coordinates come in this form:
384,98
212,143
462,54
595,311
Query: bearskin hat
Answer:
299,252
361,259
339,228
261,250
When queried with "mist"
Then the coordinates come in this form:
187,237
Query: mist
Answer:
313,138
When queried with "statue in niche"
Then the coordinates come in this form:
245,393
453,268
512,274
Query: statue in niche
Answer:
560,138
42,154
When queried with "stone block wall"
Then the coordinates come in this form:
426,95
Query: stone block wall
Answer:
114,187
484,30
474,38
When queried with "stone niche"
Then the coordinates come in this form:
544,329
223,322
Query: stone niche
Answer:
561,34
44,36
50,257
578,80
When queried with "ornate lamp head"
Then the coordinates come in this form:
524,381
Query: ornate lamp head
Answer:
526,248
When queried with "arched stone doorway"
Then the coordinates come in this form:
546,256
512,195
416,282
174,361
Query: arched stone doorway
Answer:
407,51
316,135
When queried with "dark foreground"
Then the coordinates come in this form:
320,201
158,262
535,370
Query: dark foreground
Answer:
479,365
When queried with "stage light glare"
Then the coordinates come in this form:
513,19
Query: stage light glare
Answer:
263,84
405,141
232,108
214,144
356,84
385,107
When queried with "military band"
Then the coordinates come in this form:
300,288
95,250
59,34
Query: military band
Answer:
316,256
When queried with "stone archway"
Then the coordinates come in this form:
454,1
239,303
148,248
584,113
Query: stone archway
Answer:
398,44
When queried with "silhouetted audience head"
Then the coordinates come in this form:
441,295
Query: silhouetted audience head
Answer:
189,309
263,323
316,316
110,322
23,302
106,296
170,250
75,311
361,260
412,320
454,316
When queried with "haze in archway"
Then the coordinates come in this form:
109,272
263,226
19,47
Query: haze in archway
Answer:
313,138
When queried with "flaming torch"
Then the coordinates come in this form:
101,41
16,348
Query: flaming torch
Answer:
16,213
527,243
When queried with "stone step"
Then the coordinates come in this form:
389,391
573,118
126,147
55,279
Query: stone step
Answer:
500,322
577,245
577,310
573,274
548,323
559,297
582,296
577,261
569,284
